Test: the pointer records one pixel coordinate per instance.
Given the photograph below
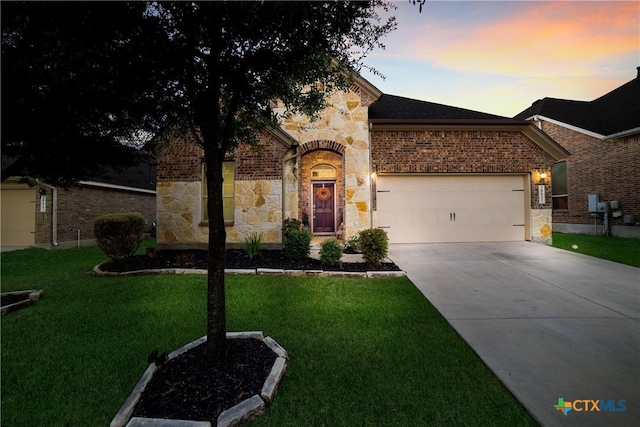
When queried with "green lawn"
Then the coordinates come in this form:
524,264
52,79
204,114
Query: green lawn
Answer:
363,352
618,249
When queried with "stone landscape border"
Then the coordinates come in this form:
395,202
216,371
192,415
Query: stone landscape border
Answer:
255,271
34,295
235,416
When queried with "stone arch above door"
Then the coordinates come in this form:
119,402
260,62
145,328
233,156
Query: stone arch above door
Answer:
322,145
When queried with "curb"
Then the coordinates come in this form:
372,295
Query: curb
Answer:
235,416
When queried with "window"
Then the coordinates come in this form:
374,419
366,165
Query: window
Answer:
228,192
323,172
559,186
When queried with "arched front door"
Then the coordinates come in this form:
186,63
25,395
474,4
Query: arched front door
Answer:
324,218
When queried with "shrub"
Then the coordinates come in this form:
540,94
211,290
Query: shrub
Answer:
374,245
119,234
297,244
252,244
352,246
330,252
289,226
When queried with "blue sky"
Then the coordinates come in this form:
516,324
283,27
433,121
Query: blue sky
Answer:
500,56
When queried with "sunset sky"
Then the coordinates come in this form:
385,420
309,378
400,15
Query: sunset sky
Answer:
500,56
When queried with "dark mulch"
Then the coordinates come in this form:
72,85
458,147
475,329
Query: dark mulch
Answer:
187,388
13,298
234,259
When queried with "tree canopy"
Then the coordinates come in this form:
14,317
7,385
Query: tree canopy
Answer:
82,78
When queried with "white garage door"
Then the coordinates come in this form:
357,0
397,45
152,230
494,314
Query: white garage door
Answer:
18,221
423,209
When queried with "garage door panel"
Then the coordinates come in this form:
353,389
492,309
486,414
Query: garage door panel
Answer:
415,209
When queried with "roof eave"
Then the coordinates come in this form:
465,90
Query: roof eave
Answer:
419,124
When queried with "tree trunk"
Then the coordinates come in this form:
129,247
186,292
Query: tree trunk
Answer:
216,315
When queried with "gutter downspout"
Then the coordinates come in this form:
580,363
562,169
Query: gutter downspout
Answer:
284,191
54,214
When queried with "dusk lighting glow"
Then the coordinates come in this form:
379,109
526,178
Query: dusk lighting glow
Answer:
500,56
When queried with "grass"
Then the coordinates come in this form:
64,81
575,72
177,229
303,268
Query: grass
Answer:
618,249
364,352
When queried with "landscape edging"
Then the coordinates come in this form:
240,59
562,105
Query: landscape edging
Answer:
253,271
235,416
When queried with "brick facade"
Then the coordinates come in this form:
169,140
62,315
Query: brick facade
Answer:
607,168
80,206
461,152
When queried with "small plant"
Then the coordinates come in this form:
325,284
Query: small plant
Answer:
289,226
297,244
374,245
186,260
305,219
252,244
119,235
352,246
330,252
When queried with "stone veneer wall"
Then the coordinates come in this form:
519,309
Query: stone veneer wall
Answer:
344,122
469,151
257,200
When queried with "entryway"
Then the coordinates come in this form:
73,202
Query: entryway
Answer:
323,219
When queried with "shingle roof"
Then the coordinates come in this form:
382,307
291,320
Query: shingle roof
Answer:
614,112
392,107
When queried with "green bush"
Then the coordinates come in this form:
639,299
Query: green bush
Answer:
374,245
289,226
297,244
252,244
352,246
119,234
330,252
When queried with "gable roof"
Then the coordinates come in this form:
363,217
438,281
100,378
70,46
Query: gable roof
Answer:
392,108
615,113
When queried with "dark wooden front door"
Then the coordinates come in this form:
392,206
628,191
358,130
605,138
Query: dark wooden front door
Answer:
323,205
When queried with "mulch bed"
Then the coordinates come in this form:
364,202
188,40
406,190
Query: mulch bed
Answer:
187,388
197,259
13,298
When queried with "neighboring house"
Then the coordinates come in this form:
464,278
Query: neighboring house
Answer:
603,137
421,171
49,217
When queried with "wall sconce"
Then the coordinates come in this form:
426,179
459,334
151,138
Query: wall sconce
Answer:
543,177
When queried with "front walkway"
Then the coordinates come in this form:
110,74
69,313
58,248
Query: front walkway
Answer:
550,323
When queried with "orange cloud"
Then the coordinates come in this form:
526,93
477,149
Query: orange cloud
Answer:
540,39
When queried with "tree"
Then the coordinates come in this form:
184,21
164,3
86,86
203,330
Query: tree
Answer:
215,68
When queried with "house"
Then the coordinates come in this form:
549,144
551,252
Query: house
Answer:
50,217
421,171
603,137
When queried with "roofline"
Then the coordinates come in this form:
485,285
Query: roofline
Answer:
536,135
368,87
539,117
116,187
622,134
285,138
417,124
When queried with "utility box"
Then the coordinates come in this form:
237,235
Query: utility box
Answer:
603,206
592,200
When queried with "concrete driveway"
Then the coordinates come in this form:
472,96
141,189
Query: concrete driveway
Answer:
550,323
